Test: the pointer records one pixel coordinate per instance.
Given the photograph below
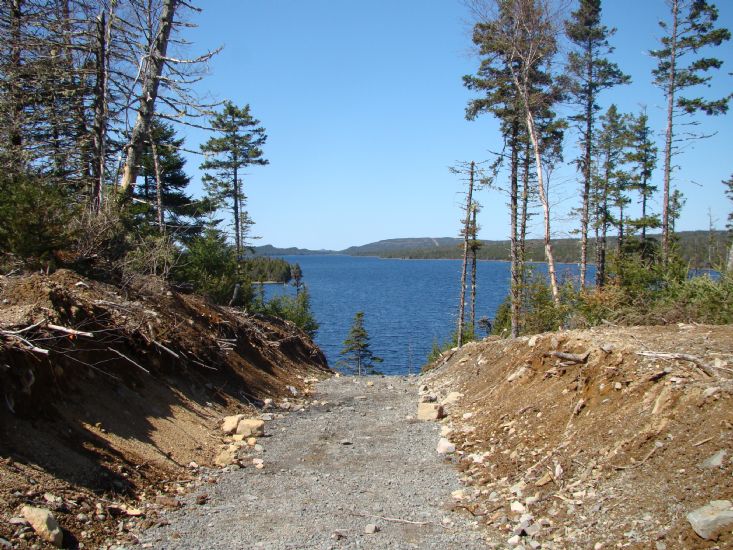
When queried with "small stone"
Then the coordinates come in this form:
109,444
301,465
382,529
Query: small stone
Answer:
193,465
598,546
617,386
458,494
466,416
517,506
259,448
370,529
714,461
227,456
709,392
251,441
710,520
338,535
513,541
18,521
237,437
257,461
259,466
44,524
202,499
267,417
532,342
445,446
370,384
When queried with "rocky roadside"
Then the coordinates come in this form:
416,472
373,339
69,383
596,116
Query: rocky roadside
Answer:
354,469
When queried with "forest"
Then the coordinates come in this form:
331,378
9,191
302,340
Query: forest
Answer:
94,100
537,60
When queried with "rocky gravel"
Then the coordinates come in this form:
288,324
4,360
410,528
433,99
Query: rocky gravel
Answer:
354,469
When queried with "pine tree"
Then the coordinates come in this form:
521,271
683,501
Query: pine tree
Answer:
610,182
356,353
642,158
181,213
680,67
237,144
588,73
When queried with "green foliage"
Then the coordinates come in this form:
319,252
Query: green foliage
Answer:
261,269
296,309
210,265
357,356
469,335
34,218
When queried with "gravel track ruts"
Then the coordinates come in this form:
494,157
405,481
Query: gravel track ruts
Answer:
332,469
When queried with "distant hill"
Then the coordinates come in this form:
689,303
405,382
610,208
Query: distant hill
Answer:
269,250
398,246
695,246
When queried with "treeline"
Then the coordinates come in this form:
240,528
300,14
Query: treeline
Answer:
263,269
543,76
93,95
698,249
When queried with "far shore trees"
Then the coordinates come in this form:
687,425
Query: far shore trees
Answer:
357,356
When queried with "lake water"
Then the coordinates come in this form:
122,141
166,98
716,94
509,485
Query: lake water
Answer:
407,304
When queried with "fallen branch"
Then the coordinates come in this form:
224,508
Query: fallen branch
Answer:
702,441
138,365
29,346
200,364
71,331
161,346
704,367
575,358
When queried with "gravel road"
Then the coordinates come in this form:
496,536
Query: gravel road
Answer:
329,472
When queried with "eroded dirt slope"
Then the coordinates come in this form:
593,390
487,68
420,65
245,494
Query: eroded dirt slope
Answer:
122,410
609,446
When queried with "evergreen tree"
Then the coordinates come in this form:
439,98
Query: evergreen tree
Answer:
356,353
680,68
237,144
180,211
610,182
588,72
642,158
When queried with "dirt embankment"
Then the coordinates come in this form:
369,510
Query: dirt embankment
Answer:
109,397
594,439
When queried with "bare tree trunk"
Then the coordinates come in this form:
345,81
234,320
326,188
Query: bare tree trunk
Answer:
466,234
523,220
669,136
158,185
100,110
729,268
474,236
544,200
515,300
587,159
15,85
150,84
237,221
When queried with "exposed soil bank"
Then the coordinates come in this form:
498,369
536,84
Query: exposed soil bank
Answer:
120,400
595,439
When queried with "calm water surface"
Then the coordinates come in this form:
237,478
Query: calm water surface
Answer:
407,304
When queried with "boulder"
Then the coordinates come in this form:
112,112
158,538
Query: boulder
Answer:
430,411
710,520
44,524
230,423
251,427
445,446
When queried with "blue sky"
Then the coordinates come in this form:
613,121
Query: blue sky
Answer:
364,108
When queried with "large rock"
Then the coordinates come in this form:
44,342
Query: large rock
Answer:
44,524
430,411
230,423
251,427
710,520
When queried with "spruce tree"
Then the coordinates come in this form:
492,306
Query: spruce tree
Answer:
588,72
642,158
357,356
681,68
237,143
